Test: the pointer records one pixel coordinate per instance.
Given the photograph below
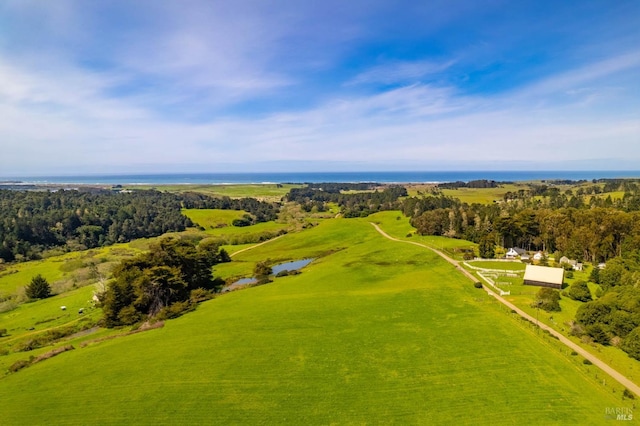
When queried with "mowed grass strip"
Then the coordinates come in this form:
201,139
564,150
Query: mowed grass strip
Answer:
379,332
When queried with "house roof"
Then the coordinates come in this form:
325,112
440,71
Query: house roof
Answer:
544,274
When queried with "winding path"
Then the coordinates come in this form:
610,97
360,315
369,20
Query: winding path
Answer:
623,380
257,245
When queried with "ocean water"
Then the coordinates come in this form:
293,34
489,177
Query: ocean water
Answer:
315,177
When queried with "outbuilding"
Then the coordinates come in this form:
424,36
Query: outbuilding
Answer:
514,252
543,276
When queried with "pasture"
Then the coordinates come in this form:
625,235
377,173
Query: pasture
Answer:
482,195
262,191
219,222
373,331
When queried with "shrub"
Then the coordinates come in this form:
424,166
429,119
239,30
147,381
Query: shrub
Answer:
547,299
477,284
3,332
631,344
598,333
586,362
628,394
175,310
200,295
574,353
579,291
19,365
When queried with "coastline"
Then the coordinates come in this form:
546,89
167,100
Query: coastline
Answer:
395,177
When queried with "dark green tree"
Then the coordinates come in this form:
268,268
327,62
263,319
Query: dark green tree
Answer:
598,333
548,299
487,247
631,344
157,280
38,288
579,290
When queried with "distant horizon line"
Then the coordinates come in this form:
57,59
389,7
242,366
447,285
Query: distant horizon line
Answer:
202,173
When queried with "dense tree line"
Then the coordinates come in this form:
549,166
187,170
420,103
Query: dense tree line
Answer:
32,221
591,230
358,204
166,280
614,317
481,183
260,211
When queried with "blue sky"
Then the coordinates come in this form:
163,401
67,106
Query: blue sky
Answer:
205,86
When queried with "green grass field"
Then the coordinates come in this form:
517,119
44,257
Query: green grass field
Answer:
218,222
66,267
373,331
266,191
482,195
505,266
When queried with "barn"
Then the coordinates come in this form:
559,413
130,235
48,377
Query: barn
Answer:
543,276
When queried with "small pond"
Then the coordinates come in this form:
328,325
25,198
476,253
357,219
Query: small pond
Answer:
286,266
290,266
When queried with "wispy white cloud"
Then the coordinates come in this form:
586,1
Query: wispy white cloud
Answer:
577,81
399,72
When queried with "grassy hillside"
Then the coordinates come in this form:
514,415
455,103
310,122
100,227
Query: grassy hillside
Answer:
372,332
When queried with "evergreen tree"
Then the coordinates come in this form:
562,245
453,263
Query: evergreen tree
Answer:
38,288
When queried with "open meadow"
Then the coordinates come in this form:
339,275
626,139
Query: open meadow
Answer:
372,331
262,191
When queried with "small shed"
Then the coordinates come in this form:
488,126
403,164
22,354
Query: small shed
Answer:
538,256
543,276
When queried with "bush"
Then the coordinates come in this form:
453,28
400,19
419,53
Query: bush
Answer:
468,255
3,332
574,353
547,299
631,344
579,291
586,362
175,310
200,295
477,284
19,365
626,393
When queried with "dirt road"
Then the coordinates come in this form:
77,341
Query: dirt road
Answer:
623,380
254,246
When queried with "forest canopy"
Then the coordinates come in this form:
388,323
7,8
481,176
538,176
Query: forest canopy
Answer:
34,221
